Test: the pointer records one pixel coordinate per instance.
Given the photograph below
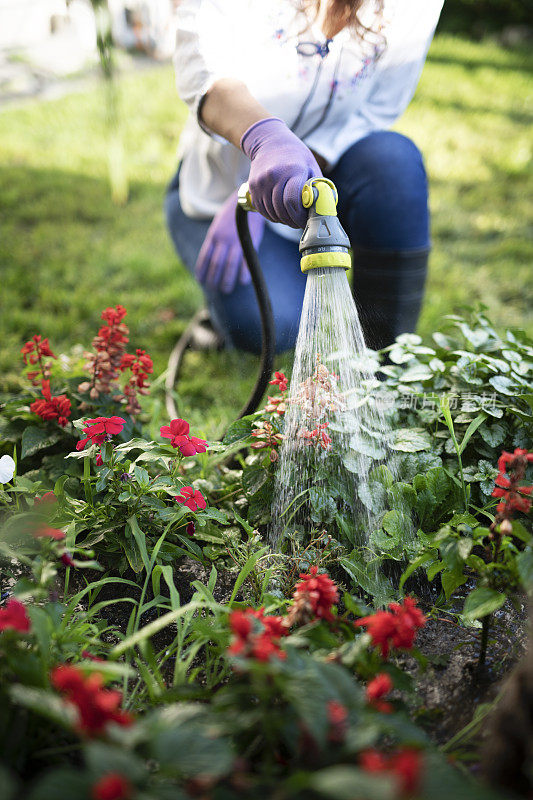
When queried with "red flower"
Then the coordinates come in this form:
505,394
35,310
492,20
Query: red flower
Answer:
277,405
513,496
50,408
114,316
178,433
190,529
508,458
240,623
280,380
256,635
191,498
140,364
96,705
266,436
338,721
100,429
318,436
104,364
396,628
36,348
67,560
376,690
99,460
112,786
405,765
47,499
315,595
14,617
49,533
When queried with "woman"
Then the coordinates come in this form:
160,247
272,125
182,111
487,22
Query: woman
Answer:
280,91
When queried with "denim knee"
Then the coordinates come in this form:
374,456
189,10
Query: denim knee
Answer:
383,192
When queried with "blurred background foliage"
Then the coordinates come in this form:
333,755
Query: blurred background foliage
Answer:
480,17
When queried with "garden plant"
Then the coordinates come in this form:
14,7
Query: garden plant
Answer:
153,645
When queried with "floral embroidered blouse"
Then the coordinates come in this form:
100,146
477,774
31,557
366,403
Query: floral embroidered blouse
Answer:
330,92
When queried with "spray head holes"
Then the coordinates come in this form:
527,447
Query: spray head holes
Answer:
324,243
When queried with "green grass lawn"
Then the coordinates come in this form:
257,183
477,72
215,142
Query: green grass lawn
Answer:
66,251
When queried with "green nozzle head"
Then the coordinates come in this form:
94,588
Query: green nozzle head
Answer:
324,242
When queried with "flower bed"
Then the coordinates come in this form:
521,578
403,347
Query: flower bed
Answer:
153,646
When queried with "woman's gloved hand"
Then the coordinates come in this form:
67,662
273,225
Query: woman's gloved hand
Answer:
281,164
220,262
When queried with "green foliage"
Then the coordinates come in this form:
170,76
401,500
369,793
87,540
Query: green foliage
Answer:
243,725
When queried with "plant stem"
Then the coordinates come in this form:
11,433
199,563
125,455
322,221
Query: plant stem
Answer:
445,408
87,480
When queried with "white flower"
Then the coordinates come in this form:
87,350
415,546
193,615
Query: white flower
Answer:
7,469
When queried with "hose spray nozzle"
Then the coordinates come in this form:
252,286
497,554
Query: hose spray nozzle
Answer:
324,242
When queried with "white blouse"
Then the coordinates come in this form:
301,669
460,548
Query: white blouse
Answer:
329,101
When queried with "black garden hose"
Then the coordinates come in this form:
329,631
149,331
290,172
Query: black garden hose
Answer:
268,331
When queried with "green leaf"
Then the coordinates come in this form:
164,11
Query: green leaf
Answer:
425,503
414,565
503,385
373,495
191,749
215,514
481,602
397,525
254,478
451,581
240,429
44,704
141,476
61,784
245,571
434,569
411,440
493,435
367,577
35,439
472,428
521,532
346,783
363,445
403,496
158,624
140,540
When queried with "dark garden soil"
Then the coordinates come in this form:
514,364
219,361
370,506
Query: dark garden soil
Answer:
453,686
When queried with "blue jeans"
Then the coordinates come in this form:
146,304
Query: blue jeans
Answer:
383,206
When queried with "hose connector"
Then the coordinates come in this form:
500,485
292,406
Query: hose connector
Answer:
324,242
244,198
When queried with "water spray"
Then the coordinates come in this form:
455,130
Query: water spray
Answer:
336,437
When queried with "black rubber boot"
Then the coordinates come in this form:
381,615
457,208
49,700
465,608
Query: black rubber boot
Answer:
388,288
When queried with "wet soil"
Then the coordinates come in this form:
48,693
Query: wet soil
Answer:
453,686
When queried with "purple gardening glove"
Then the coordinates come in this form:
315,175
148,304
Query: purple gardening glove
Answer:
281,164
220,262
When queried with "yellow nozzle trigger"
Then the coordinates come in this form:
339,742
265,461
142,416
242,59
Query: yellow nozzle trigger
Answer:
323,193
